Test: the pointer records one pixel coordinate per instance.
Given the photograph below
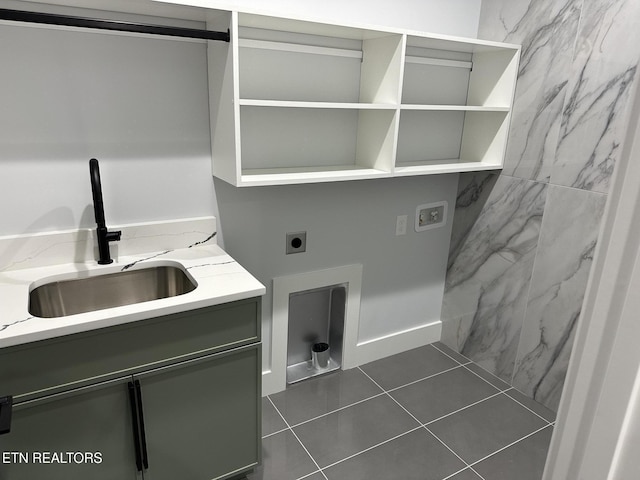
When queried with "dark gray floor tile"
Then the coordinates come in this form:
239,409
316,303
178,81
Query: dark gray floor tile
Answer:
469,474
451,352
406,367
271,420
417,455
436,396
544,412
283,458
525,460
482,429
317,396
346,432
492,379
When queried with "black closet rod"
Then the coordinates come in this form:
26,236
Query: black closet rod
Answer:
68,21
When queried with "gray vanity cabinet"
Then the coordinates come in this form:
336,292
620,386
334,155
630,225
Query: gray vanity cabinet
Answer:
88,420
165,398
201,416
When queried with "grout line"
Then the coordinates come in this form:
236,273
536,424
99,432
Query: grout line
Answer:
374,446
275,433
427,429
410,383
463,408
476,472
387,393
469,466
509,387
455,473
337,410
312,473
523,405
447,447
462,470
510,445
451,357
550,184
299,441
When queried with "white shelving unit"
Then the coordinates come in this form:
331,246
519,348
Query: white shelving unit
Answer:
294,101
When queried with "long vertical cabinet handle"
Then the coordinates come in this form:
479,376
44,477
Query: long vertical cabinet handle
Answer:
134,421
6,406
143,436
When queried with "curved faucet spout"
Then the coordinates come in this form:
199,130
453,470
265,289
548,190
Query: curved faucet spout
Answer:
104,236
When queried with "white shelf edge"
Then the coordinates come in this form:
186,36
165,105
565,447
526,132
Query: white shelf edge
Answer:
440,62
462,108
283,176
246,102
298,48
454,166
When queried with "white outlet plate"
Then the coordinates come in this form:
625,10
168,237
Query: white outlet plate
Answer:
401,224
424,220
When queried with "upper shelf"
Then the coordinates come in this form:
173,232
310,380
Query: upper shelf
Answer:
296,101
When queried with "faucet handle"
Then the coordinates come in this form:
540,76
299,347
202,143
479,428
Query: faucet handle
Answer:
114,236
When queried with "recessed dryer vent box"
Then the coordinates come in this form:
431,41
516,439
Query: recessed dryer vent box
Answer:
316,317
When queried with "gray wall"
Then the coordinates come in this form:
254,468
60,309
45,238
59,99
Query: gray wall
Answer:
138,104
523,241
346,223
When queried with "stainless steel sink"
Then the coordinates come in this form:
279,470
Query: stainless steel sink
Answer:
80,295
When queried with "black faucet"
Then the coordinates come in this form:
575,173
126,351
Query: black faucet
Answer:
104,236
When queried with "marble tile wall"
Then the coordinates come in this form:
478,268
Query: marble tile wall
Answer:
523,239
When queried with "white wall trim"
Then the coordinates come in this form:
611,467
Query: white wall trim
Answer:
275,378
388,345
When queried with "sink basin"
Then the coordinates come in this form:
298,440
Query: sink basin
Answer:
81,295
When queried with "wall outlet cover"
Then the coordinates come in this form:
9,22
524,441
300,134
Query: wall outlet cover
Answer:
401,224
296,242
431,215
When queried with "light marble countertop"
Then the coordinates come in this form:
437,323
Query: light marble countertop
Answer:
219,279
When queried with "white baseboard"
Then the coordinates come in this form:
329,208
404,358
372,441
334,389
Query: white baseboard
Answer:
399,342
374,349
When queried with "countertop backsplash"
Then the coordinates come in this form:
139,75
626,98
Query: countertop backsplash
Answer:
80,246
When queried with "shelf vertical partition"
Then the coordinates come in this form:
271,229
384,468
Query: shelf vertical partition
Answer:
224,107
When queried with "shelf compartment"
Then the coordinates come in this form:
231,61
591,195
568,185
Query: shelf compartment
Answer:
298,75
429,135
429,82
450,141
317,63
309,141
444,72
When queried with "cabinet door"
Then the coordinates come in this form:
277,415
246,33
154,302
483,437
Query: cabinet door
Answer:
201,417
81,434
